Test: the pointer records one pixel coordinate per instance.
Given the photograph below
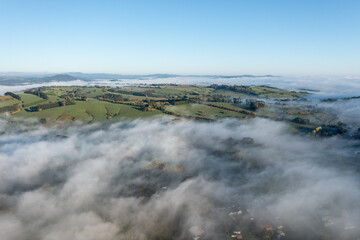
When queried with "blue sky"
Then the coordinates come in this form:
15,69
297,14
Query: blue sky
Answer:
282,37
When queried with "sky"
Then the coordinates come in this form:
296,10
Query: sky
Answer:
279,37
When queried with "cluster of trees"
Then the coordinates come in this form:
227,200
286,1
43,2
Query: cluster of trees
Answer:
330,130
81,98
301,120
147,100
177,100
217,98
51,105
151,105
38,93
68,95
13,95
74,96
254,105
234,88
180,101
147,107
115,98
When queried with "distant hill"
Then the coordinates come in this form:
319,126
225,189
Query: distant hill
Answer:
59,77
20,80
157,75
235,76
119,76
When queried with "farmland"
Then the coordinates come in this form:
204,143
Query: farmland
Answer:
101,103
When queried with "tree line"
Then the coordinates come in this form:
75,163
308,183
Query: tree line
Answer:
234,88
12,108
148,93
38,93
51,105
13,95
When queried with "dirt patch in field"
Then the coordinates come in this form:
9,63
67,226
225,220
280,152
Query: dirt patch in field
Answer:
5,98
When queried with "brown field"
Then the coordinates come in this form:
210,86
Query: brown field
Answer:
5,98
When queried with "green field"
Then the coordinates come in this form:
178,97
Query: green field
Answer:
89,111
100,103
203,111
261,92
170,90
9,102
30,100
269,92
230,107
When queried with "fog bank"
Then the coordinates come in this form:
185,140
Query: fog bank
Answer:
155,179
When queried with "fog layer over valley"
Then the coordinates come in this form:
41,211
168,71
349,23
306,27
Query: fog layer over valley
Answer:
165,179
341,86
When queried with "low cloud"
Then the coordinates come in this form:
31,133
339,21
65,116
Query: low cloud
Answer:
155,179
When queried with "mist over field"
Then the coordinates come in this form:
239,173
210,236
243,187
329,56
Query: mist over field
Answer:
158,178
179,120
325,86
319,87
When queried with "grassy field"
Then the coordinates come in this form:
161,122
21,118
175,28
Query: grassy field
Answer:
169,90
89,111
108,104
100,104
269,92
30,99
262,92
230,107
8,101
201,110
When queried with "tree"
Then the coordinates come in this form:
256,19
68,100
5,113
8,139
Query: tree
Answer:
13,95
